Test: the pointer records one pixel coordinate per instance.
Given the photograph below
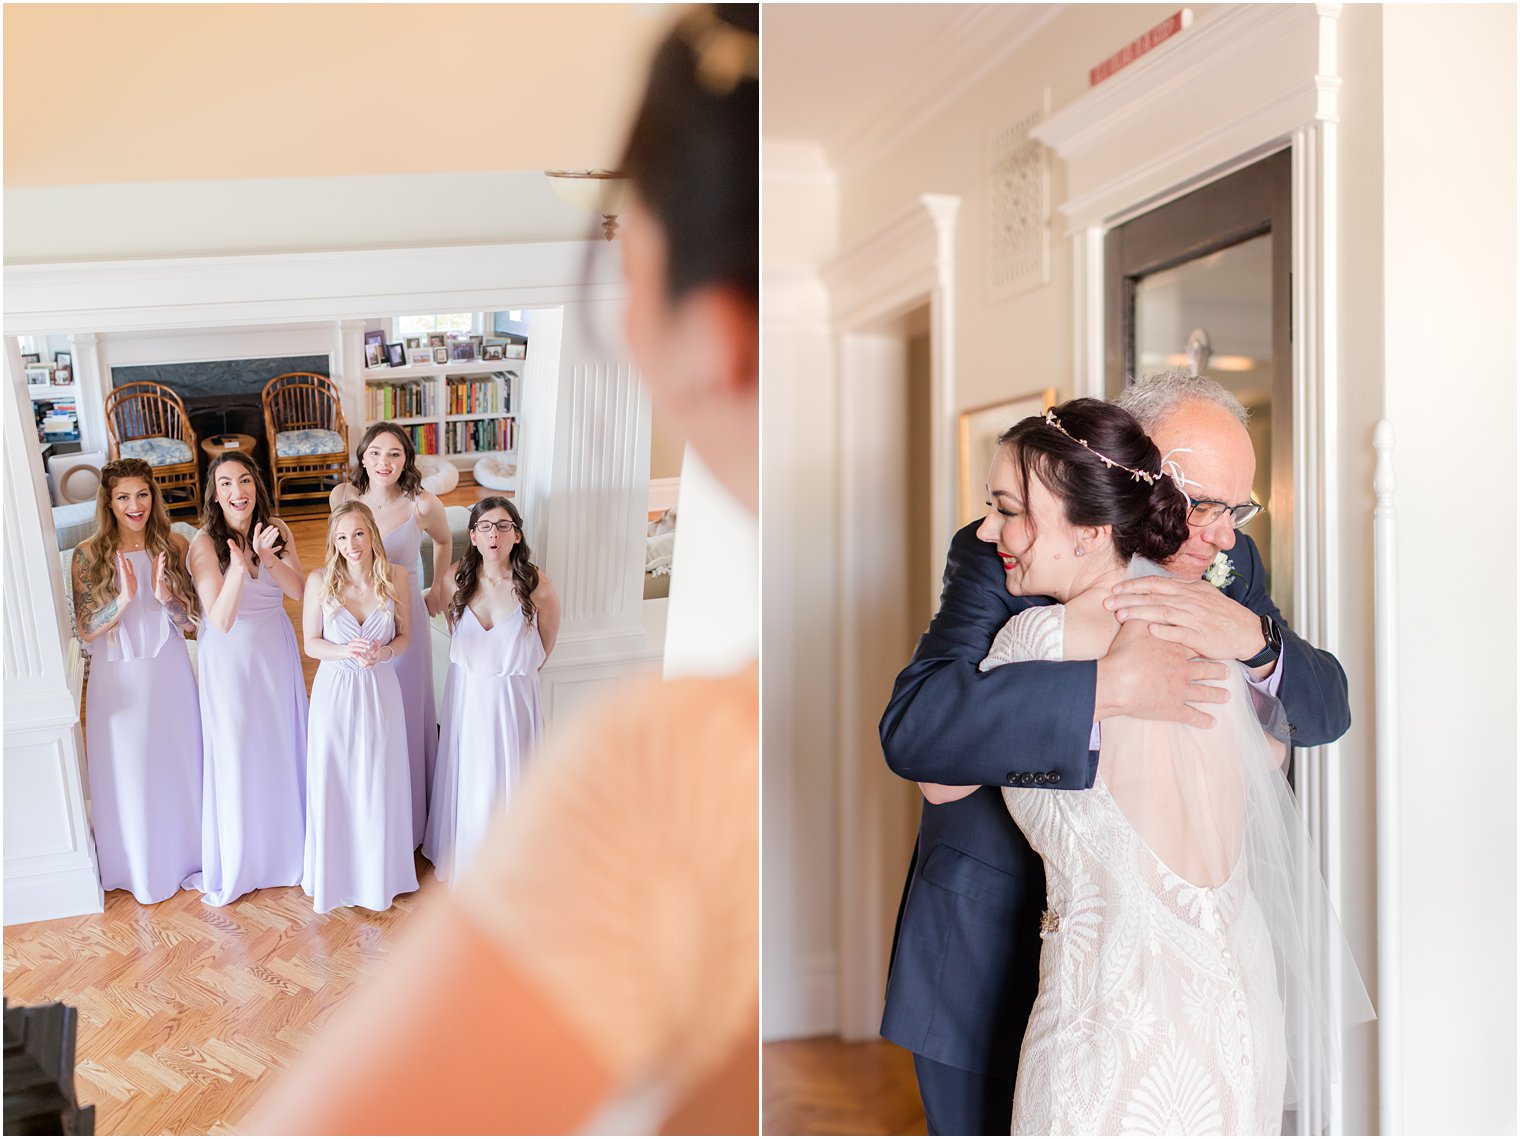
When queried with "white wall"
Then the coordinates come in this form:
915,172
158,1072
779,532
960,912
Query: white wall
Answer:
1449,317
800,564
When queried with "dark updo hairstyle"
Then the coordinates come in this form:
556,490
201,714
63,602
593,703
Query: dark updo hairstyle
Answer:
467,576
214,522
410,481
693,154
1148,519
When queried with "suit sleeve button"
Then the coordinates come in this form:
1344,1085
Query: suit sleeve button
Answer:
1026,778
1013,777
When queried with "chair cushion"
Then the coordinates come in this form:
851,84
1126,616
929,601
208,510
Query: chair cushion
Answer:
310,441
74,523
157,451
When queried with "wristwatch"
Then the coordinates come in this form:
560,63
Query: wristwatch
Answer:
1273,648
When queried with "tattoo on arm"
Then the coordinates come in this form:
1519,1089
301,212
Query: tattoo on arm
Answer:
96,621
177,612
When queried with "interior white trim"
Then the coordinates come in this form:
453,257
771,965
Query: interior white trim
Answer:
908,263
1243,82
1385,594
980,38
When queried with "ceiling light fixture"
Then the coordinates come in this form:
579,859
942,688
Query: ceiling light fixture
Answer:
595,191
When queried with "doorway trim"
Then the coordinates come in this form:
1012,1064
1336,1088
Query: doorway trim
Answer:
905,265
1242,82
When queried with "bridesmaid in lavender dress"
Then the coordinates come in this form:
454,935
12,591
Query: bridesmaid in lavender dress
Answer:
132,602
253,696
505,617
357,621
386,479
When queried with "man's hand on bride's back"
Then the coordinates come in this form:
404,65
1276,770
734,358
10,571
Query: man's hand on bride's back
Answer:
1151,679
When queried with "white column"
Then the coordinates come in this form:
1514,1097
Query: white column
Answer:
90,387
49,855
583,489
348,375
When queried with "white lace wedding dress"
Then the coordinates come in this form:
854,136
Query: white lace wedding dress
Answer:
1158,1010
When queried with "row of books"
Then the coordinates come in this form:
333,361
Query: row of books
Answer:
481,435
466,437
479,397
398,401
57,421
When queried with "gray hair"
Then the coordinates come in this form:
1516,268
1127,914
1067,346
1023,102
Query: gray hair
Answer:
1156,395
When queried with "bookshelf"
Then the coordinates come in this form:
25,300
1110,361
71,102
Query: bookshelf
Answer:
460,411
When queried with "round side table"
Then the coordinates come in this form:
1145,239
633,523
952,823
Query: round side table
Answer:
214,445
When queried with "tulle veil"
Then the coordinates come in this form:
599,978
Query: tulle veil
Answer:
1213,803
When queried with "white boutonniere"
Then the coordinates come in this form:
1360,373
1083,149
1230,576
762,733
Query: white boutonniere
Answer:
1220,572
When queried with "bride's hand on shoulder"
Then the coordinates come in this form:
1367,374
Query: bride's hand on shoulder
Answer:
1191,613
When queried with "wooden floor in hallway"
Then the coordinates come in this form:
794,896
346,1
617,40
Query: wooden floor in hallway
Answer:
824,1086
189,1012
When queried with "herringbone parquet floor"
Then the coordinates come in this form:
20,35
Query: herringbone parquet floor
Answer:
187,1012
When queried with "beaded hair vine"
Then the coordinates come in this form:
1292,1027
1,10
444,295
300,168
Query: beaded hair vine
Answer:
1170,468
725,54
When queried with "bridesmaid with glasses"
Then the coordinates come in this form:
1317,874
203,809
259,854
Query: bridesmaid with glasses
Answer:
505,616
357,620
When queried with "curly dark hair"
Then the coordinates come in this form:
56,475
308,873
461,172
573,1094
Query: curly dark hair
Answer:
524,572
214,522
1148,519
410,481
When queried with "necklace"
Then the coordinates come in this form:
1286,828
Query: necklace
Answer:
126,549
489,580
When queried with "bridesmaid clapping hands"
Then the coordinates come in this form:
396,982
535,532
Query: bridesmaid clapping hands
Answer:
357,620
252,693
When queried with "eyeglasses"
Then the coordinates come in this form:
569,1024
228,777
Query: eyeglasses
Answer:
499,527
1206,511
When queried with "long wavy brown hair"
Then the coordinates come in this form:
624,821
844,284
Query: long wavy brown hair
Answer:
214,522
97,553
335,573
524,572
410,481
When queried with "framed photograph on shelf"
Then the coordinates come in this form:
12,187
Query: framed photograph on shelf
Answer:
437,340
63,359
374,356
395,355
413,342
516,351
39,375
978,443
462,350
63,377
440,354
375,338
31,357
423,356
494,352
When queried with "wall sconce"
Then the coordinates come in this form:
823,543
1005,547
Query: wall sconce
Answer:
595,191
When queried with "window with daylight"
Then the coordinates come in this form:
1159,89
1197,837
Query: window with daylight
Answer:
440,322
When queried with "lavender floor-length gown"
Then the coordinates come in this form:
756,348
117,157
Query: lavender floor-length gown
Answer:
143,748
414,672
253,720
358,783
491,723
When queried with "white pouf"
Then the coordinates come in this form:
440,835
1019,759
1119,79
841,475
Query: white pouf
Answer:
438,475
495,472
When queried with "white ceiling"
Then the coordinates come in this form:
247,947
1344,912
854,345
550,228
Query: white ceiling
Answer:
849,75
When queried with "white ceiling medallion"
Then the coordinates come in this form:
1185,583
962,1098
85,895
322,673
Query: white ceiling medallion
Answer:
1018,207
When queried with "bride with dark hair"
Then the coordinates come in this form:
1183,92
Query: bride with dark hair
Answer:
1182,979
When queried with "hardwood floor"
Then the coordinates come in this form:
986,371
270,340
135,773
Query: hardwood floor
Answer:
827,1087
188,1012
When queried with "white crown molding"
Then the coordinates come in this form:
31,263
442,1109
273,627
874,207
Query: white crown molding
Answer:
909,257
1230,89
977,41
796,162
122,296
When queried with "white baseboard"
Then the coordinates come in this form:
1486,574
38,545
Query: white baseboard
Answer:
59,893
804,1002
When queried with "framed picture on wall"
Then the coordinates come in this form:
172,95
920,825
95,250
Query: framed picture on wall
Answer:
978,442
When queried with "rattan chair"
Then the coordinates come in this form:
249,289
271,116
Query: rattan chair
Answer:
147,420
308,436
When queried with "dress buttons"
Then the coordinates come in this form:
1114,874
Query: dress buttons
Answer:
1245,1041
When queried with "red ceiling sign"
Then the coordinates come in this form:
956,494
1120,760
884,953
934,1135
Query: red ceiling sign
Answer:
1132,51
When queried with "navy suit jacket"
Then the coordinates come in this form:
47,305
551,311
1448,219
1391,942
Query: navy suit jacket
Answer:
965,955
